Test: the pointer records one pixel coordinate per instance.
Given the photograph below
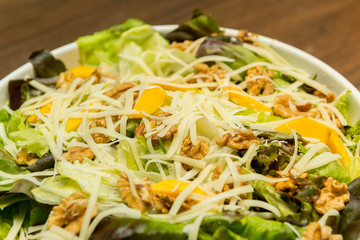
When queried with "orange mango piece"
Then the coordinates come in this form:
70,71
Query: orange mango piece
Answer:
170,87
242,99
173,187
306,127
44,109
337,146
73,124
82,71
150,100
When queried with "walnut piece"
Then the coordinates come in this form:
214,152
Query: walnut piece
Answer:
141,202
204,69
245,36
181,45
332,116
101,122
256,85
70,213
329,98
119,89
198,151
241,139
334,195
78,154
24,158
314,231
290,186
140,130
283,109
163,202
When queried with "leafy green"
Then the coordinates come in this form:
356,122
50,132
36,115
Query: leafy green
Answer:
45,65
131,126
15,204
343,103
263,117
226,48
100,46
215,227
350,219
8,199
25,137
269,193
31,140
45,162
199,26
8,165
15,123
4,115
353,133
335,170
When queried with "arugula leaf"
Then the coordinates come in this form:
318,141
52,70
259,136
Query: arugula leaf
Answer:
199,26
45,65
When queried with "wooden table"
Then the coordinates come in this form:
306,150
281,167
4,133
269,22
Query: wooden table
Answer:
327,29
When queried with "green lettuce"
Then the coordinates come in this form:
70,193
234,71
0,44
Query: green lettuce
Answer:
343,103
8,165
101,45
214,227
263,117
143,44
26,137
335,170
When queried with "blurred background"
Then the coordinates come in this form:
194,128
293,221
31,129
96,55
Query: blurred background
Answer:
327,29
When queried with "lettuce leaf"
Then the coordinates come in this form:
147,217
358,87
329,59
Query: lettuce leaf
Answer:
224,46
45,65
214,227
141,46
335,170
26,137
342,104
263,117
8,165
199,26
101,45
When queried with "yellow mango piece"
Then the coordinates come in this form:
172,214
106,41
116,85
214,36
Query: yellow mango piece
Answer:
82,71
173,187
337,146
242,99
306,127
150,100
169,87
72,124
44,109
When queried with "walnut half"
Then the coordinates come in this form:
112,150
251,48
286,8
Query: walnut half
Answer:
334,195
70,213
25,158
78,154
141,202
198,151
314,231
241,139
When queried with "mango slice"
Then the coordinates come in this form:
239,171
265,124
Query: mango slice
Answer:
243,99
337,146
73,124
82,71
306,127
44,109
150,100
169,87
173,187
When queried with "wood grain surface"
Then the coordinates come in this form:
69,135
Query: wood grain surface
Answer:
327,29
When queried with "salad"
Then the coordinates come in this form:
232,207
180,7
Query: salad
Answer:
196,134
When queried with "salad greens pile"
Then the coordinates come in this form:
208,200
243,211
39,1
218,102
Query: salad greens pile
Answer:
196,133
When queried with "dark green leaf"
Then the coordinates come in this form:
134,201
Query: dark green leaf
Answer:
45,65
199,26
8,199
45,162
